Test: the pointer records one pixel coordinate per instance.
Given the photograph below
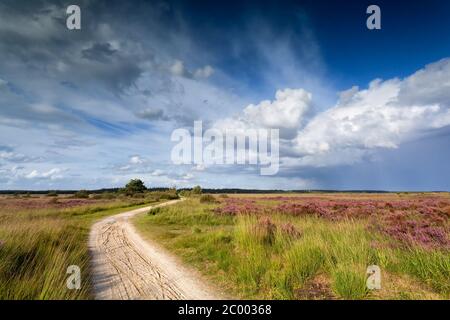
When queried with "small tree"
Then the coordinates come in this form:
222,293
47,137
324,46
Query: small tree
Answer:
135,186
197,190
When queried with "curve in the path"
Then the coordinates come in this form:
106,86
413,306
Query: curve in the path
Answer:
125,266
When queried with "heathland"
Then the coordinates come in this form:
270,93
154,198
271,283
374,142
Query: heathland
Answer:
264,246
312,246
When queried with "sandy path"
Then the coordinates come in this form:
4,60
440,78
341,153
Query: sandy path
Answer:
127,267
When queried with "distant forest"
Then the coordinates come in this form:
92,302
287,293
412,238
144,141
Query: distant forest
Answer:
205,190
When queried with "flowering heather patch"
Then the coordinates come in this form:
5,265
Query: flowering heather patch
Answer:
8,204
418,220
427,229
239,206
300,209
331,209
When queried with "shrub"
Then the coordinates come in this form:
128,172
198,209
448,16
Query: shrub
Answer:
207,198
265,230
53,200
223,196
138,195
52,194
105,195
134,186
108,195
185,193
170,194
82,194
197,190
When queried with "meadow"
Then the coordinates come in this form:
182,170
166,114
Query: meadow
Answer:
40,236
311,246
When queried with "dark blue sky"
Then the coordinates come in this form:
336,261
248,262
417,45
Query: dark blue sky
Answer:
413,33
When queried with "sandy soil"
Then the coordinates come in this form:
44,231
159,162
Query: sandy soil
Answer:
125,266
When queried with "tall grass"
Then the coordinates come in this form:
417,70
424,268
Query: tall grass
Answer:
302,262
349,281
37,246
251,240
430,267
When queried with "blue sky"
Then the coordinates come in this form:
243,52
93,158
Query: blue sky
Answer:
356,108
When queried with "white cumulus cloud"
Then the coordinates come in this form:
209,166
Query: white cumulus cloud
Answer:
286,111
51,174
136,160
384,115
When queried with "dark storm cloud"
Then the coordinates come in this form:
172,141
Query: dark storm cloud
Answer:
105,59
6,148
101,52
152,114
32,32
34,35
17,105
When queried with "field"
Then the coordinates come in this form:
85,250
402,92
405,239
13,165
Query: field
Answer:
312,246
40,236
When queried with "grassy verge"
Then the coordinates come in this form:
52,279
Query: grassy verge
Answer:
37,246
286,257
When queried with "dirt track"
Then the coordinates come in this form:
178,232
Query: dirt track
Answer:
127,267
